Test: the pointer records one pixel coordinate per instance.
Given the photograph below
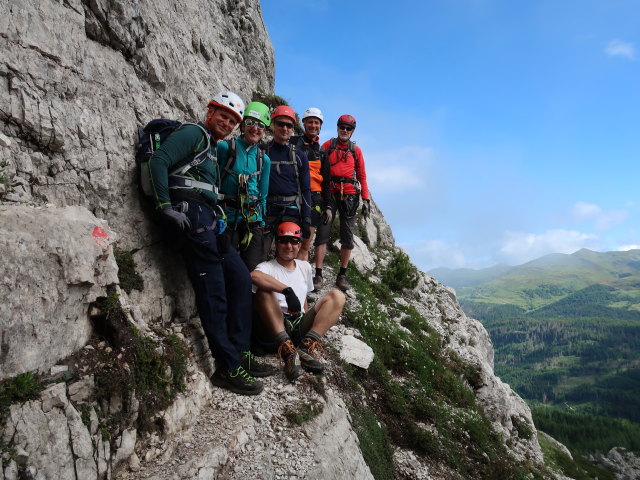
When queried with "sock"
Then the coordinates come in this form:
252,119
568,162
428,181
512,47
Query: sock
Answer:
318,272
281,337
343,271
314,336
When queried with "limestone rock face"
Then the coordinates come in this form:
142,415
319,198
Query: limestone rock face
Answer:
77,79
56,261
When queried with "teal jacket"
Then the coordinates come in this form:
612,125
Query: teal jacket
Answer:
178,150
257,186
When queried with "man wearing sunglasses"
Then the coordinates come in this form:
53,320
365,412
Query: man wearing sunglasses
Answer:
348,184
289,197
244,185
281,287
186,195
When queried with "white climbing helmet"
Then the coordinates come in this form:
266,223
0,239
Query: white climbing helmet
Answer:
312,112
229,101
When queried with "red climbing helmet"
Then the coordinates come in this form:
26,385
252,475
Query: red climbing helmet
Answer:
347,120
284,111
288,229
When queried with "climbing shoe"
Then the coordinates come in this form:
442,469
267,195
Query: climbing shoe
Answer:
317,283
308,350
255,367
289,355
342,283
238,381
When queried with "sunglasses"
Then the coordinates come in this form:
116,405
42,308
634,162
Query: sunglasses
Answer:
345,127
291,240
284,124
252,122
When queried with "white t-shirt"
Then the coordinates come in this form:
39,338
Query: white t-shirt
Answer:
300,279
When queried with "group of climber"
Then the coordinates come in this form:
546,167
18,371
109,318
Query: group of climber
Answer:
230,200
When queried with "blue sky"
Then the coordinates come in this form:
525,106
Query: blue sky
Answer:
494,131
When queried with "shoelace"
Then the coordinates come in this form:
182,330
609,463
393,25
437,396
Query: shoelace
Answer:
286,349
250,357
313,347
242,373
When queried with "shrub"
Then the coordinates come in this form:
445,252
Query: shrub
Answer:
400,273
129,278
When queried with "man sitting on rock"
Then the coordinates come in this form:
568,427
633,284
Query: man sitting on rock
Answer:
281,287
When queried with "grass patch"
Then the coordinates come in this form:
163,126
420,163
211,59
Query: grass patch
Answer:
374,441
424,395
129,278
154,370
304,412
577,468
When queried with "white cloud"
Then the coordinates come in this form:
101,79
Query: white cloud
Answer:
618,48
398,170
434,253
626,248
521,247
602,219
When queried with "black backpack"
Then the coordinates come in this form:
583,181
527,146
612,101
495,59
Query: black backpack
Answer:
150,137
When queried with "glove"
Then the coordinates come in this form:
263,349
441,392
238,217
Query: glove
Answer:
306,227
327,216
366,208
293,303
178,219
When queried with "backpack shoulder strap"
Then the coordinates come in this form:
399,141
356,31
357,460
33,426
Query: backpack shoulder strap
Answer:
199,157
232,152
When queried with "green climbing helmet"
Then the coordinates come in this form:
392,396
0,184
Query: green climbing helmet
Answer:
258,110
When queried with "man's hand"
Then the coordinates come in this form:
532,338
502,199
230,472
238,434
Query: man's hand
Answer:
306,227
327,216
366,208
179,219
293,303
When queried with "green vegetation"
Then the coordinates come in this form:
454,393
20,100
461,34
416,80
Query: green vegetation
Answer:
423,396
3,164
374,441
19,389
586,433
400,273
129,278
577,468
566,332
152,370
304,412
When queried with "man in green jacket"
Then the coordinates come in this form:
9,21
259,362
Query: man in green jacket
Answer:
244,186
185,187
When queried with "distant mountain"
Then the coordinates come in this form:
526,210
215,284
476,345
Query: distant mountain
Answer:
467,277
548,279
565,328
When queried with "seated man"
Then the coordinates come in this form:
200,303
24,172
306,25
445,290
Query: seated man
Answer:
281,286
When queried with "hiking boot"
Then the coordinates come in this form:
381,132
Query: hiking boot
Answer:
289,355
255,367
317,283
342,283
307,349
238,381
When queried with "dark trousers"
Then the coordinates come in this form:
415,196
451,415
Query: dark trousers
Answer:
251,254
222,287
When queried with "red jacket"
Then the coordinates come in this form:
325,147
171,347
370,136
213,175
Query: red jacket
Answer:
343,164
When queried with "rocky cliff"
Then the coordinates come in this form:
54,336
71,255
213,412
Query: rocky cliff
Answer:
77,77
